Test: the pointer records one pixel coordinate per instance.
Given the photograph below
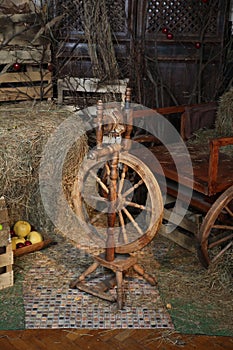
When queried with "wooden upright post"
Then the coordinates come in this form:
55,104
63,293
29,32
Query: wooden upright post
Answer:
128,119
99,126
112,197
128,97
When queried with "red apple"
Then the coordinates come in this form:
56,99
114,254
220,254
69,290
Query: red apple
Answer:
12,232
17,66
165,30
169,36
50,67
20,245
27,243
197,45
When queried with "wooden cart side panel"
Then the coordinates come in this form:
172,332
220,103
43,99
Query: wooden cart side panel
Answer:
215,186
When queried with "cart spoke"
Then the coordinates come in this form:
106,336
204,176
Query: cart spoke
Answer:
230,212
222,251
222,227
220,241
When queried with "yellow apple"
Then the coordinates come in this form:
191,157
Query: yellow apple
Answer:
34,237
15,241
22,228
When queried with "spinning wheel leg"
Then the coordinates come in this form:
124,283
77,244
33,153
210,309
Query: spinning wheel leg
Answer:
87,272
140,270
119,266
120,289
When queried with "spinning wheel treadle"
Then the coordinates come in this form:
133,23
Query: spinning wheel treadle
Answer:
105,198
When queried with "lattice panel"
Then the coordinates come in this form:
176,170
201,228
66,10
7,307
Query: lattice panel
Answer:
183,17
73,11
116,15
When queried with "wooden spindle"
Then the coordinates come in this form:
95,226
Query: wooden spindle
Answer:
112,197
128,119
99,126
128,94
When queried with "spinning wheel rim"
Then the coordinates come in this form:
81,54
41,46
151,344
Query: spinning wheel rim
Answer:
155,197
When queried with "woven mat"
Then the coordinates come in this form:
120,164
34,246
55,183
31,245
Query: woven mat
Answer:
50,303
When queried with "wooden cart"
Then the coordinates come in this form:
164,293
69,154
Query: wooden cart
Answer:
211,179
118,195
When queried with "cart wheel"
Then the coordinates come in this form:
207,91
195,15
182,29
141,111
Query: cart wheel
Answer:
138,208
216,232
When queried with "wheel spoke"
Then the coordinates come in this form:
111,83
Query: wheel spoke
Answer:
95,198
107,168
123,174
138,206
123,238
134,187
99,181
96,218
222,227
130,217
229,211
220,241
222,251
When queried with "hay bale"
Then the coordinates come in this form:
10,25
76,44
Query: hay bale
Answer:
224,119
25,129
223,124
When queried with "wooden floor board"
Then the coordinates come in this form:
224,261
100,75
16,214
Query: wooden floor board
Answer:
56,342
24,344
127,344
106,334
5,344
94,342
123,335
73,339
141,334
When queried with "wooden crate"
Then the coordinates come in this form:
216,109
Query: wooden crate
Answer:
34,83
25,54
6,253
90,85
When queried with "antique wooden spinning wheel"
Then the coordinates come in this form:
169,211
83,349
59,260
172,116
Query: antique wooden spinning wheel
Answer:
118,202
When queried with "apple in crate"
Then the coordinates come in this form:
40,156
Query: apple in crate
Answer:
20,245
34,237
22,228
17,242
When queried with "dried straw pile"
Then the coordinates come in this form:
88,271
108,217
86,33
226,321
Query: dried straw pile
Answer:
24,131
224,120
223,123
